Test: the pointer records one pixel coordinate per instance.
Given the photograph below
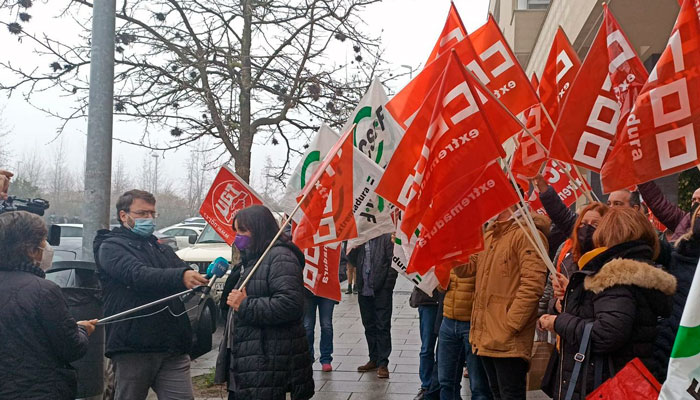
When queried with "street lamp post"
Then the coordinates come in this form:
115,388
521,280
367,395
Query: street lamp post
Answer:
155,178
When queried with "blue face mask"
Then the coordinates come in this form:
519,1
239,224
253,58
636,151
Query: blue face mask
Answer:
144,227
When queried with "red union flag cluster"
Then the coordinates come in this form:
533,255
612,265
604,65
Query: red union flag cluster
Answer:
660,135
602,95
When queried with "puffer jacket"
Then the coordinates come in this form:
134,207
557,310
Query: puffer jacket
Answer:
134,271
459,297
269,353
672,216
623,294
510,279
39,337
684,261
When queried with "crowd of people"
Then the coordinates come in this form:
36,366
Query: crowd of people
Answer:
618,294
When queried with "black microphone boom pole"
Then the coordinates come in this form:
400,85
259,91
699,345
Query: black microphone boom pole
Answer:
144,306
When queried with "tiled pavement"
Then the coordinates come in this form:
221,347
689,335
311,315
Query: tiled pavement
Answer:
350,351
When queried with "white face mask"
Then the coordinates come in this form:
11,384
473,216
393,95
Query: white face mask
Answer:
46,257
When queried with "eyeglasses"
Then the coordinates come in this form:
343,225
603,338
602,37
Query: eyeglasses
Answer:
144,213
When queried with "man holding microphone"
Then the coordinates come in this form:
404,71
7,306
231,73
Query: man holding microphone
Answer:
134,269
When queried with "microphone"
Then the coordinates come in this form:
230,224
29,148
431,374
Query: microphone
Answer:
215,270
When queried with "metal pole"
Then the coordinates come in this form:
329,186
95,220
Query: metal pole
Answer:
98,157
155,179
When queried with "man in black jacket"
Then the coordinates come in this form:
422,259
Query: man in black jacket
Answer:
134,269
375,281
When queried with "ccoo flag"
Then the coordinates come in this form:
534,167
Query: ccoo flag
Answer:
611,77
661,135
684,367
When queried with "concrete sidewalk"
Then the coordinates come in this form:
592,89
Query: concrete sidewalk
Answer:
350,351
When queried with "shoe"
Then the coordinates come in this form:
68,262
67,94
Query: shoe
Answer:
370,366
383,372
421,394
326,367
349,291
354,290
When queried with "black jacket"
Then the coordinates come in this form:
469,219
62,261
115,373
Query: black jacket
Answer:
684,261
382,250
38,337
563,219
134,271
269,353
623,294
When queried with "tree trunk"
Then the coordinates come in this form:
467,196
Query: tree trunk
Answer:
245,139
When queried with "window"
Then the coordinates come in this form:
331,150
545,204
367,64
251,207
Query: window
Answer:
173,232
209,235
71,231
537,4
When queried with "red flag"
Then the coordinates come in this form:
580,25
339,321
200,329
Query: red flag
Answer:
559,73
557,179
453,33
528,156
452,227
321,271
227,195
328,210
457,141
589,119
500,79
661,135
502,72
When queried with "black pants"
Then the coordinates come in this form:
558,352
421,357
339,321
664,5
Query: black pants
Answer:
507,377
376,318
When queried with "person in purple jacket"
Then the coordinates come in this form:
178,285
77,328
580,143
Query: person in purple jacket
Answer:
672,216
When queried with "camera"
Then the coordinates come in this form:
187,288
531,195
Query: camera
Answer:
34,206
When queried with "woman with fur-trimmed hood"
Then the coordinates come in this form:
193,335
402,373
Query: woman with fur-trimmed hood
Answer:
619,290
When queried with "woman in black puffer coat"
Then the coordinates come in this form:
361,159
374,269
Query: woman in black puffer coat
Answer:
38,337
265,353
684,261
622,293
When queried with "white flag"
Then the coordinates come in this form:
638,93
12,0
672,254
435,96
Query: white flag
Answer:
683,379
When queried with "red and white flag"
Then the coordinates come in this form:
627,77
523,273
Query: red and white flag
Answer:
227,196
556,177
327,209
611,77
662,133
501,71
452,33
451,229
448,138
321,271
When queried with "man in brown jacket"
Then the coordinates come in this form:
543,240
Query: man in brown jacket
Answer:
510,279
453,338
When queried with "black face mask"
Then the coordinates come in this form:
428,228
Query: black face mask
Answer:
585,237
696,229
694,207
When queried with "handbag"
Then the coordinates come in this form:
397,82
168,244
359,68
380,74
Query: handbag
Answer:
541,353
632,382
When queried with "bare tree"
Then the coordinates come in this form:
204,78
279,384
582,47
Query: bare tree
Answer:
198,177
146,178
229,70
121,182
31,167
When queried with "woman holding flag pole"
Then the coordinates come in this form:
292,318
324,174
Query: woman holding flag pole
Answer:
265,353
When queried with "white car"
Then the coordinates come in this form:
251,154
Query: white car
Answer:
182,234
206,249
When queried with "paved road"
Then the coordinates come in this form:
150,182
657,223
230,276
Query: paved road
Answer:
350,351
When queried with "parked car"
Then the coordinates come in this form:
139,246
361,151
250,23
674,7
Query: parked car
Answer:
183,233
208,246
195,221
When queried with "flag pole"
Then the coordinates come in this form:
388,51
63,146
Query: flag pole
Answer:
522,125
305,194
544,258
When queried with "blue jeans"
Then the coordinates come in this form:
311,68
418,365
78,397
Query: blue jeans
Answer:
428,337
454,347
325,313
